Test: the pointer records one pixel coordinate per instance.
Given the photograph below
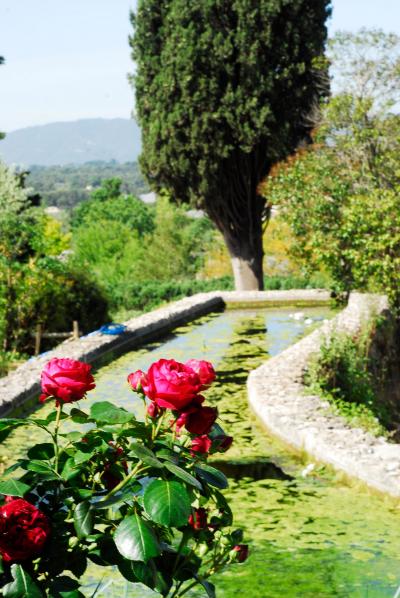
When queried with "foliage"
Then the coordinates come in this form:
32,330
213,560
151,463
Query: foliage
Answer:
223,92
117,492
341,373
107,203
119,259
2,135
35,286
355,237
67,186
9,359
150,294
341,199
361,121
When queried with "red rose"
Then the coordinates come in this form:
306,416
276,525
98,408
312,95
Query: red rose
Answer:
66,379
201,444
136,379
171,384
204,370
242,552
24,531
197,419
198,520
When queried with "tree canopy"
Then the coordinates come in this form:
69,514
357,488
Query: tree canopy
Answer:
108,203
224,89
341,197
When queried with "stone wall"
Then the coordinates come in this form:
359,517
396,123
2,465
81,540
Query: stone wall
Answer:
304,421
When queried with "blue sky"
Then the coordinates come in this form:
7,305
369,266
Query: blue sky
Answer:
68,59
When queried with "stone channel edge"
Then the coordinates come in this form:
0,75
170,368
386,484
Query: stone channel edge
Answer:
275,389
304,421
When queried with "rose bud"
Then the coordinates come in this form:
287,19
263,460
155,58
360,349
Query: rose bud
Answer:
198,520
182,419
242,552
201,420
136,379
112,474
24,530
66,379
171,384
201,444
153,410
204,370
221,443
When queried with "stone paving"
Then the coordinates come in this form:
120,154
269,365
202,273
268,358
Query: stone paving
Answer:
278,397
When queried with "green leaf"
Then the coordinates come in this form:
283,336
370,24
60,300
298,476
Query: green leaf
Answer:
69,470
41,467
78,416
212,476
123,496
183,474
11,423
106,413
41,451
145,455
135,430
53,416
135,539
167,503
82,457
72,436
146,574
8,425
83,519
13,488
209,587
23,585
64,587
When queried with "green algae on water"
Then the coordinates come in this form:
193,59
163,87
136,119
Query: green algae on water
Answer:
310,535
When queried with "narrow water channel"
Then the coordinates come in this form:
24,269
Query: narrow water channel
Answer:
311,533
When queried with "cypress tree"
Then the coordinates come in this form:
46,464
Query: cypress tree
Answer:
224,89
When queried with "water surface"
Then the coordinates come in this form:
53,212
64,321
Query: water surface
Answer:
314,536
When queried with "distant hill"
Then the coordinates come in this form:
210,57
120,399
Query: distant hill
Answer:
73,143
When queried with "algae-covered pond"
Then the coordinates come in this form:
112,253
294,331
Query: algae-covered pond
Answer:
312,535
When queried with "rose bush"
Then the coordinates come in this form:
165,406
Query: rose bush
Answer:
136,495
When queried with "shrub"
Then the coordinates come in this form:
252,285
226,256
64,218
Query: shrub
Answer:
341,374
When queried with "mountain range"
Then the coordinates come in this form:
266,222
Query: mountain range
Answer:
74,142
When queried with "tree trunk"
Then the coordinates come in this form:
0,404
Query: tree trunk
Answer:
239,212
246,276
247,262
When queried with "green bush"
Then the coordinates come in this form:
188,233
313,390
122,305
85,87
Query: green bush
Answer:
149,294
341,374
50,293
